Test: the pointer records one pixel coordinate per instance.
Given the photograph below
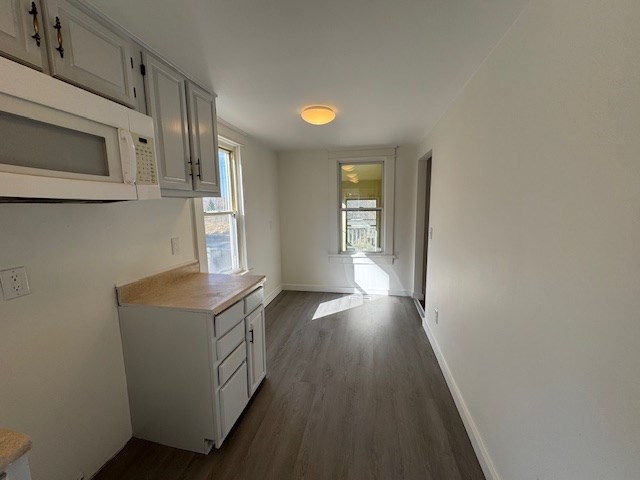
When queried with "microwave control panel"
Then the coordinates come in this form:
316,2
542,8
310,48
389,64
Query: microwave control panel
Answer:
146,160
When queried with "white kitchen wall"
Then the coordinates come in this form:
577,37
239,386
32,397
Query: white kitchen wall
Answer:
304,180
62,378
262,219
535,261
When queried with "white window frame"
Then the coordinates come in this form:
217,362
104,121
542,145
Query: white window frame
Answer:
199,214
386,156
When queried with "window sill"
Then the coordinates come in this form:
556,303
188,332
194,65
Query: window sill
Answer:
362,258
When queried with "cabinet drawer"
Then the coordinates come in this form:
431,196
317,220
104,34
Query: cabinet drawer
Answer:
231,364
252,300
230,341
228,319
233,398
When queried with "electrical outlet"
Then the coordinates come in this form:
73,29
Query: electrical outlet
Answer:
14,283
436,313
175,246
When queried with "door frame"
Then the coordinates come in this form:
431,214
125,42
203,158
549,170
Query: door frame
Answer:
423,206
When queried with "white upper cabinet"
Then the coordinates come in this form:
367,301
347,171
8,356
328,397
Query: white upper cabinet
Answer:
186,131
167,104
204,140
87,52
21,32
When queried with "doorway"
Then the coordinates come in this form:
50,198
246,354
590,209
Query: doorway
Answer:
422,231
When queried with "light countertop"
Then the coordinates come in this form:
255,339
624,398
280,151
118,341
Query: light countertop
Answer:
13,445
185,288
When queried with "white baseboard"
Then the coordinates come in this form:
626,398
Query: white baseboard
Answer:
419,308
479,447
332,289
271,296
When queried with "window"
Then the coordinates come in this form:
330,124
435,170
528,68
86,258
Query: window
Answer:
361,215
361,206
221,218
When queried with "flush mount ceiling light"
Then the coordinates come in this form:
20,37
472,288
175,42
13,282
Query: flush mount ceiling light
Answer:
348,168
318,114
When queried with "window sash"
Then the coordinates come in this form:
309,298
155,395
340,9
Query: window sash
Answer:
234,246
380,227
233,213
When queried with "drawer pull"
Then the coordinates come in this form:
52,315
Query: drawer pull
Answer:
58,27
36,33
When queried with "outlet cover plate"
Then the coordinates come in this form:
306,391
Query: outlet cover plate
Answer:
14,283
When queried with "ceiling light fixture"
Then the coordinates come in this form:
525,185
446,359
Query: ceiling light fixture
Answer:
318,114
348,168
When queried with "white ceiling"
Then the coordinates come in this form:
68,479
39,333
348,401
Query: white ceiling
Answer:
390,67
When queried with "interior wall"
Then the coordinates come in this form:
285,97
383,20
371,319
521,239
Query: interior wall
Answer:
62,374
535,261
262,218
305,202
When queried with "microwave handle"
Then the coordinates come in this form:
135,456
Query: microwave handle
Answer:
129,159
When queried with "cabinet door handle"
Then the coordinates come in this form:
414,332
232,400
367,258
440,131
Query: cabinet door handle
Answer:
198,168
251,339
58,27
36,23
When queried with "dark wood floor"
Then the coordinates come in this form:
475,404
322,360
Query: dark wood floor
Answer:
355,394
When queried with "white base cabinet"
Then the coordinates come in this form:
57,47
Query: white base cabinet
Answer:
190,374
18,470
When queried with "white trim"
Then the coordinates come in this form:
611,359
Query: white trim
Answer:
363,152
351,290
238,190
478,444
271,296
419,307
362,259
235,131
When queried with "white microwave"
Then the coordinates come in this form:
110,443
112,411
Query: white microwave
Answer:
59,142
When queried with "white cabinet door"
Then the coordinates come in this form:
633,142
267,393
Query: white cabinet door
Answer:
204,140
21,31
18,470
167,104
233,399
257,349
89,54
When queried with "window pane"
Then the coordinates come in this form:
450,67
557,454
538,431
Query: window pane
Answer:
361,231
360,181
221,240
224,202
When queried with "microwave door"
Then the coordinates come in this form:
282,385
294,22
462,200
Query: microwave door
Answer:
78,157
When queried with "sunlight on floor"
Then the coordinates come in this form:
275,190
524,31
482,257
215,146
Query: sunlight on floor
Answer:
331,307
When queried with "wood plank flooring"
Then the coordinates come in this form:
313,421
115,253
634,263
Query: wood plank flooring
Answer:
353,391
